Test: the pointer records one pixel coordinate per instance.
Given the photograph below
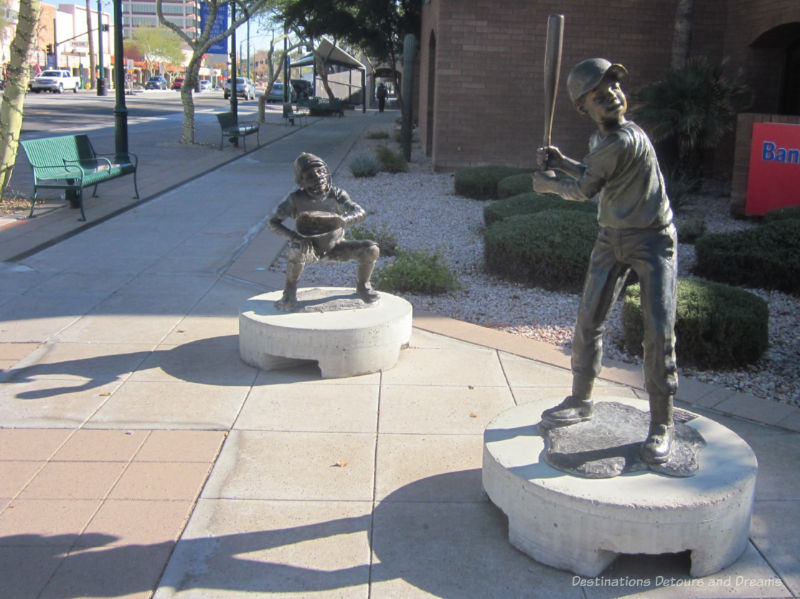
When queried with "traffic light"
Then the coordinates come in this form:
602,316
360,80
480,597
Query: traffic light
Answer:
49,49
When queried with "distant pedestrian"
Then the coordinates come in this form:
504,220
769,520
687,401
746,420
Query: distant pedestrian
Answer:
381,95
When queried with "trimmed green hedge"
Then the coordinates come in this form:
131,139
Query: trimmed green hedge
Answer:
716,326
530,203
766,257
515,185
790,212
548,249
480,182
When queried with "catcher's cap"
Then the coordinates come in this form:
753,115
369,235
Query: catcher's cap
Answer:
587,74
304,162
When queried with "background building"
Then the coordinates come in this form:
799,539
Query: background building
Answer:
72,49
481,66
183,13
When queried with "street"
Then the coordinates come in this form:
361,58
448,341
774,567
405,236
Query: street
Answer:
63,114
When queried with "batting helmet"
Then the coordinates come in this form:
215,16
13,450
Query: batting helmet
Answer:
587,74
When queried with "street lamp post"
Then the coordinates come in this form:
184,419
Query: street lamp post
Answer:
234,97
120,110
241,53
101,82
286,82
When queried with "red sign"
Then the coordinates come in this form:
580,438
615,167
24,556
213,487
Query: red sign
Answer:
774,178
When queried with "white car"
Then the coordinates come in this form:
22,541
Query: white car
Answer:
244,88
55,80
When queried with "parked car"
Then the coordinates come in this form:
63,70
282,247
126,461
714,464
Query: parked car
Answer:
205,85
178,84
276,94
156,82
55,80
244,88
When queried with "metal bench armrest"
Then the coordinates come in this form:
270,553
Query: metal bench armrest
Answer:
96,162
132,158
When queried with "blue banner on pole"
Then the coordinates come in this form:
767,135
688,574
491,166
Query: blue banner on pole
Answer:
220,25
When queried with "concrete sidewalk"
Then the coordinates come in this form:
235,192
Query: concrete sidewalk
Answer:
139,456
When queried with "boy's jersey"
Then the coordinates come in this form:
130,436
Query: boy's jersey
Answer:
623,165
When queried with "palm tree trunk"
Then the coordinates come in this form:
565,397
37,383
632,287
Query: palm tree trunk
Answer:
91,44
682,36
11,109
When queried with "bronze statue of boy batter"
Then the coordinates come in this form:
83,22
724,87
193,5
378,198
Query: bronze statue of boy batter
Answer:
321,211
636,232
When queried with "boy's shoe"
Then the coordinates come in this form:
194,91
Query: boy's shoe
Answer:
367,294
288,301
569,411
656,448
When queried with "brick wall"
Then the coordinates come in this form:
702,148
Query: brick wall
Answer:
489,64
487,103
752,39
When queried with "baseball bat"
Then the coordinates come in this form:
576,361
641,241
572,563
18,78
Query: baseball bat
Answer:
552,67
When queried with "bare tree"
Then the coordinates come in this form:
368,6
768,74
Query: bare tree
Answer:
11,109
91,44
199,45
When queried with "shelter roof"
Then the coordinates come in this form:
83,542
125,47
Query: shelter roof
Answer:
331,55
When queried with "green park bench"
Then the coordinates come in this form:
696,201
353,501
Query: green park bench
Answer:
69,162
290,115
231,128
324,107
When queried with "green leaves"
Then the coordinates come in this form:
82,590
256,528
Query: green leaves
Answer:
694,106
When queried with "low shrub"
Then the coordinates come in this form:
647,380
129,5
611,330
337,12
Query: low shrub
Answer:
530,203
548,249
386,241
480,182
391,161
378,135
788,213
515,185
766,257
364,166
716,326
417,272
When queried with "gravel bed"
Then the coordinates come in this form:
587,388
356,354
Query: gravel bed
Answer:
420,209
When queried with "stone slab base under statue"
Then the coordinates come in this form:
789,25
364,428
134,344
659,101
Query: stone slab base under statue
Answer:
581,524
330,326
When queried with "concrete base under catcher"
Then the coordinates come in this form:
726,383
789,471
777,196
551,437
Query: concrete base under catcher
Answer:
331,326
581,524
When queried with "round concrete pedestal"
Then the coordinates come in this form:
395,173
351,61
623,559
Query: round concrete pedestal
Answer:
581,524
331,326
